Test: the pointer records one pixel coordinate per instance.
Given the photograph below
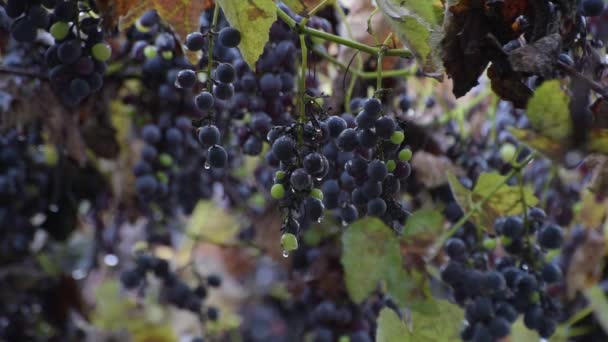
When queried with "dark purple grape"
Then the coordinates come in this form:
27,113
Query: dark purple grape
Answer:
204,101
229,37
217,156
186,79
195,41
209,135
225,73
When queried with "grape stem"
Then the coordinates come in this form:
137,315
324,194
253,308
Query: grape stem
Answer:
477,207
598,88
374,51
216,14
364,74
302,88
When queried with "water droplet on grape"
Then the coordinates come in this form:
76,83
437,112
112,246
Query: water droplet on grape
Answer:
344,223
207,166
285,254
54,208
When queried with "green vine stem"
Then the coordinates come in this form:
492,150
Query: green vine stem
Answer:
364,74
216,14
302,87
477,207
374,51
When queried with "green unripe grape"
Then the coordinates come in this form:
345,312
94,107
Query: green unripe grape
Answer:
279,175
167,55
405,154
162,177
59,30
150,51
101,52
316,193
165,159
397,137
507,152
489,244
277,191
535,297
289,242
391,165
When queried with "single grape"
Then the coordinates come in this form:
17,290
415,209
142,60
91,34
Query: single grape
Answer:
209,135
24,30
376,207
277,191
204,101
373,107
229,37
336,125
225,73
405,154
289,242
217,156
59,30
365,120
69,51
186,79
385,127
376,170
313,163
300,180
347,140
397,137
101,52
550,237
507,152
223,91
284,148
195,41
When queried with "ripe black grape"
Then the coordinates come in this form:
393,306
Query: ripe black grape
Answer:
217,156
209,135
225,73
204,101
229,37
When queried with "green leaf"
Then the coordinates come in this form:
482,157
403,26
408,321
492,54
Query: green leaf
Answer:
424,222
253,19
548,111
371,255
442,324
505,201
419,25
390,327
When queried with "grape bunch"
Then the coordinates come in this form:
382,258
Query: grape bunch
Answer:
77,59
354,166
495,292
174,290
